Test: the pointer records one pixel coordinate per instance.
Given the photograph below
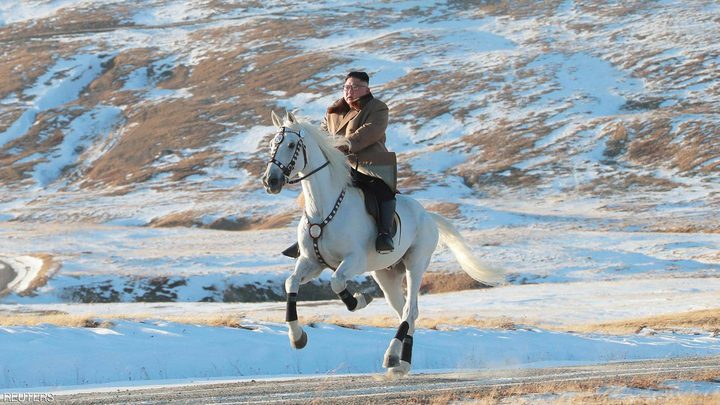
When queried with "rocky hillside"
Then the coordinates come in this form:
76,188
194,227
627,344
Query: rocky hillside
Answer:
507,117
169,98
168,101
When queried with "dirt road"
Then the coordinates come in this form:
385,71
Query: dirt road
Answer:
367,389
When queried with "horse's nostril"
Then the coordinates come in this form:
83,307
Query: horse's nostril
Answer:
273,182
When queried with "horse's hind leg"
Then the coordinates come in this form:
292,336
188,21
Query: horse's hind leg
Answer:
305,270
399,354
390,282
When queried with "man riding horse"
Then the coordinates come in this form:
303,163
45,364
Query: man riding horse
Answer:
362,120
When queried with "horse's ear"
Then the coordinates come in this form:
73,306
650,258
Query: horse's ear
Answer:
290,117
276,120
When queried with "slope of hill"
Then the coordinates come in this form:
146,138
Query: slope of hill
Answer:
560,114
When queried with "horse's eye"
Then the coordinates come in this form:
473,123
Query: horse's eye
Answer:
291,145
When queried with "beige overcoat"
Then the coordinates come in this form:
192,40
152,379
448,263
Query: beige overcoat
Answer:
365,130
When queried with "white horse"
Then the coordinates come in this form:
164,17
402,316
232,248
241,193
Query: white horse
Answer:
337,232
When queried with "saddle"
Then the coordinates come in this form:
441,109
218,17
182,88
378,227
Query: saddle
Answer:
372,206
381,166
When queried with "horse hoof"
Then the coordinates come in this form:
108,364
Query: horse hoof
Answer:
391,361
399,371
300,343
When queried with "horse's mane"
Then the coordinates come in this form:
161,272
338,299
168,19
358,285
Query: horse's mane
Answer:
328,144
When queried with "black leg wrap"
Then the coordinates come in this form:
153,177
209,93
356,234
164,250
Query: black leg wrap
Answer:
407,349
402,331
348,299
291,312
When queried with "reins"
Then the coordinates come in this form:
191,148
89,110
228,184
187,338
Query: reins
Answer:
299,179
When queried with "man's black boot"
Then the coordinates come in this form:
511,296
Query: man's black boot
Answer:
384,242
293,251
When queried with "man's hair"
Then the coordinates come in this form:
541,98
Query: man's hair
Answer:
359,75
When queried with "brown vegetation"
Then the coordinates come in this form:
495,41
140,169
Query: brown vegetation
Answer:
591,390
21,67
57,318
515,9
712,225
446,209
194,219
440,282
705,320
615,145
231,88
440,323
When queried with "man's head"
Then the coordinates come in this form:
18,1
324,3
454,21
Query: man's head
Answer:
356,86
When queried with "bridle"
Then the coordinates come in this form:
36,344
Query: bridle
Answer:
314,229
287,170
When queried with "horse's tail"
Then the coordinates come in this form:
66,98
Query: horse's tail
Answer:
457,244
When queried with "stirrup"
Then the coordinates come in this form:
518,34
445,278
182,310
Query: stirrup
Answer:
292,251
384,243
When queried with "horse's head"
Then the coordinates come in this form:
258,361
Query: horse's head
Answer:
288,154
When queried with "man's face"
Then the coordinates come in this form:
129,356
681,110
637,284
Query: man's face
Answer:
354,88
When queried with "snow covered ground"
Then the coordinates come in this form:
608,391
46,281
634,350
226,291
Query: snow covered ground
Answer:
140,347
150,351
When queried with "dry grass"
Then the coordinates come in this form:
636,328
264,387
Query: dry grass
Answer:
587,392
56,318
440,282
194,219
20,67
62,319
706,320
698,147
675,399
448,210
223,91
235,320
708,227
514,9
652,142
230,89
618,137
607,185
438,323
408,180
175,219
59,318
228,321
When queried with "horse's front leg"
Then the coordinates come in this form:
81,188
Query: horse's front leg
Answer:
305,270
398,355
351,266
